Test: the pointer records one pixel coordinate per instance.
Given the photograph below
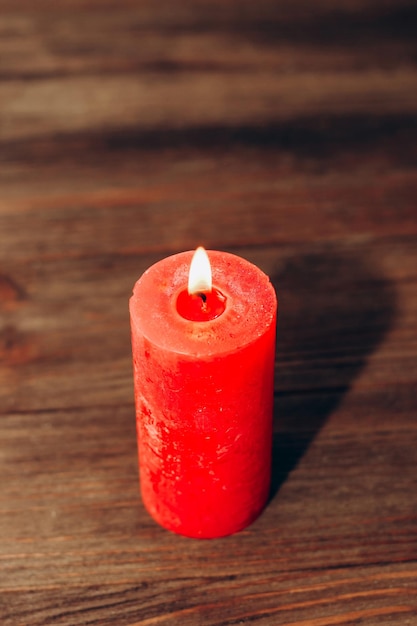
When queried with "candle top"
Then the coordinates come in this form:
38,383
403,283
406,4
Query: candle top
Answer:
249,306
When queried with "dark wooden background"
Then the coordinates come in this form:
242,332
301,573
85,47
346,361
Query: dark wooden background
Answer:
283,132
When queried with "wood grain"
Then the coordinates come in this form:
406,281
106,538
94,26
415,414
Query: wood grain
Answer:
286,134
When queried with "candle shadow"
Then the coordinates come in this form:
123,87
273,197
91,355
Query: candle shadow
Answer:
334,309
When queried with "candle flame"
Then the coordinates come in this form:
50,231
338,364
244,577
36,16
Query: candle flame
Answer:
199,278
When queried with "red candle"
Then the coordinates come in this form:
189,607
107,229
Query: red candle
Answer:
203,375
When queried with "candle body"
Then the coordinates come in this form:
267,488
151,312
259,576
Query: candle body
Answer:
204,395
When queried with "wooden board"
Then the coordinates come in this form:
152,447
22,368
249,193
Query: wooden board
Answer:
286,134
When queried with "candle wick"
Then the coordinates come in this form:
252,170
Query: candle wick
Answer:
203,297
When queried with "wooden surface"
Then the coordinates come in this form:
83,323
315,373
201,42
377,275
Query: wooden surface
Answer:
285,133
